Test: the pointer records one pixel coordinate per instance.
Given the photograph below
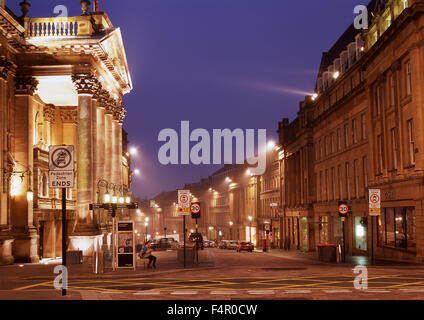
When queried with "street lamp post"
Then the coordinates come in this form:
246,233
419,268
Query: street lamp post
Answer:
250,233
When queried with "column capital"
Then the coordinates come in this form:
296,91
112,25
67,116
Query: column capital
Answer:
26,85
110,106
86,83
48,112
69,116
103,97
5,67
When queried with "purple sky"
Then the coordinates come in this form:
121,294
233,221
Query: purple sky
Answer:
217,63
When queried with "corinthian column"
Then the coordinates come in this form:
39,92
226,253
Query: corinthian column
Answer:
25,247
86,229
117,145
6,238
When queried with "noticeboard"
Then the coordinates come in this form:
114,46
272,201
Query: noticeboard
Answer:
125,245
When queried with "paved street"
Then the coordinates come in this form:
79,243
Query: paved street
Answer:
223,275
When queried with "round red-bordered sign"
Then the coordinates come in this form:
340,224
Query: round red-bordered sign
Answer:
195,208
374,198
343,209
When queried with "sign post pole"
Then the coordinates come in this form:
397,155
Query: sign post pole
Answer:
184,226
343,211
61,176
374,211
64,234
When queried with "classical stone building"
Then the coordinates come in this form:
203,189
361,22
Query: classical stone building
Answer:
61,82
363,129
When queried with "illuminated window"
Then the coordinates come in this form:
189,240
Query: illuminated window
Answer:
395,148
411,142
397,228
405,4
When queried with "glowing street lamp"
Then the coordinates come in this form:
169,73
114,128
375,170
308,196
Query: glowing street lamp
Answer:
271,145
137,172
133,151
107,198
30,195
336,74
114,199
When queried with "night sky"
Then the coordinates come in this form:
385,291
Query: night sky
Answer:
217,63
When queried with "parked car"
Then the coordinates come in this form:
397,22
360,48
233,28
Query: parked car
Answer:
209,244
232,245
223,244
245,246
163,244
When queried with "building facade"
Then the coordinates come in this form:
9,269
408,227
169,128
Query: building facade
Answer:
362,130
62,81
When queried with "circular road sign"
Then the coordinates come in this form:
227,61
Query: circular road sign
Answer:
195,208
61,158
343,209
374,198
183,199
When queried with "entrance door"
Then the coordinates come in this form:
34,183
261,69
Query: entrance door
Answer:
360,230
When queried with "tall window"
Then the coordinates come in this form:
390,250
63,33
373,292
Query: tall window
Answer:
333,182
408,78
346,135
395,148
327,185
347,181
339,140
380,153
365,167
320,149
321,186
354,127
405,4
392,90
411,142
356,173
377,101
339,173
363,126
332,143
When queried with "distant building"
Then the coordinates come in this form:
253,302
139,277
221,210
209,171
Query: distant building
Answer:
363,129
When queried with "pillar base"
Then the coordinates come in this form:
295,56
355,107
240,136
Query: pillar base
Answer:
6,246
25,247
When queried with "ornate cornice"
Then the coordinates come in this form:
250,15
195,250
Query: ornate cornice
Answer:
48,112
103,97
86,83
25,85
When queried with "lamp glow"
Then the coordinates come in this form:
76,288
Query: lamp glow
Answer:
336,74
128,200
107,198
30,196
114,199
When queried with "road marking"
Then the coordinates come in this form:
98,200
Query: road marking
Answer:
89,295
337,291
412,290
184,292
264,292
223,292
376,290
147,293
298,291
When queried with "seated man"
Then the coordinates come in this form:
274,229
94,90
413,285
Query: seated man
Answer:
146,253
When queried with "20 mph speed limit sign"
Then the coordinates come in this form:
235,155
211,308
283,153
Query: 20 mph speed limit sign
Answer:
343,209
195,210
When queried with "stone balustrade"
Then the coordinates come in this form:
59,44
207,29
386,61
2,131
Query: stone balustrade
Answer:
60,27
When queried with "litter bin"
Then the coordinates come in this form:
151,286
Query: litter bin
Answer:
264,245
327,252
190,253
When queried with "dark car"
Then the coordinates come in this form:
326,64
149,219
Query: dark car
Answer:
196,237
